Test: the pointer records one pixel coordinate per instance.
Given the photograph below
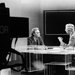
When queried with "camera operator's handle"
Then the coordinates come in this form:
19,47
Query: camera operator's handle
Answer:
13,64
17,64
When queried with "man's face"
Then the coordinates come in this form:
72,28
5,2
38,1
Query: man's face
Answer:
37,33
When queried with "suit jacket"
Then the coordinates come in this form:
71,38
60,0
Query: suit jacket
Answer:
31,41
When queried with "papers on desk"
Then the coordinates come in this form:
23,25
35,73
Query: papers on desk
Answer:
57,49
70,48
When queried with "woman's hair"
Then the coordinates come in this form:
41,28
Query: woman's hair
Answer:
33,31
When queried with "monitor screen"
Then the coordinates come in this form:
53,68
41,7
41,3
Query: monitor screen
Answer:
55,21
54,25
19,27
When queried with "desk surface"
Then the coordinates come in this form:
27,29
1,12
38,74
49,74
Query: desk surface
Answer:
41,50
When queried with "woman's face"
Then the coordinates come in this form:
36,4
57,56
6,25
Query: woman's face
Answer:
69,31
37,33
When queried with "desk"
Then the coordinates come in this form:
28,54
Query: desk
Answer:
56,50
50,56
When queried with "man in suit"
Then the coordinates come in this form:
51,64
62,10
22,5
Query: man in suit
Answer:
35,41
35,38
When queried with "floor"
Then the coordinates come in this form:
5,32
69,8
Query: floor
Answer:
24,73
50,70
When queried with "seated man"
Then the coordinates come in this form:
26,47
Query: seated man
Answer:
35,38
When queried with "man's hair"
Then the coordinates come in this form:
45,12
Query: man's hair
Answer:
33,31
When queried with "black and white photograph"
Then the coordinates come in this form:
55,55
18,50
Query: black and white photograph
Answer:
37,37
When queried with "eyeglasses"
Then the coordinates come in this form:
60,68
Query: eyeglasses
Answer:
37,32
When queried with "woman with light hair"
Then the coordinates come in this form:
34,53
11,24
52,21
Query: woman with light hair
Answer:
69,28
